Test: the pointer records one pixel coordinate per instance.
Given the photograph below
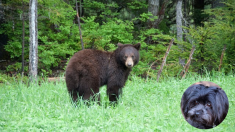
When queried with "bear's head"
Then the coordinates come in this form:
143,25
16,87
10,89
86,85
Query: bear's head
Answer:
128,54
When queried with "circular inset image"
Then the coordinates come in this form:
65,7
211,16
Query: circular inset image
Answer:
204,105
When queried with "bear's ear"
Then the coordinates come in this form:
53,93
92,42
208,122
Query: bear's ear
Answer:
119,44
137,46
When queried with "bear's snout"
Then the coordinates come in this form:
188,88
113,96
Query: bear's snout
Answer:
129,62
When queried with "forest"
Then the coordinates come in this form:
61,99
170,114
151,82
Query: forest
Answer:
64,26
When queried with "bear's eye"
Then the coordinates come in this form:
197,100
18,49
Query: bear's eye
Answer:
196,102
132,56
125,57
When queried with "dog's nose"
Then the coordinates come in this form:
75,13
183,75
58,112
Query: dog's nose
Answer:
199,112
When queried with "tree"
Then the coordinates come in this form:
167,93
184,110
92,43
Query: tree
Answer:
153,7
179,17
179,20
23,34
33,41
80,31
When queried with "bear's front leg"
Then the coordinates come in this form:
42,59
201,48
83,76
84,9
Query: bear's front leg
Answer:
113,92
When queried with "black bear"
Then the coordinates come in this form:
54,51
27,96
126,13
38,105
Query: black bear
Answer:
89,69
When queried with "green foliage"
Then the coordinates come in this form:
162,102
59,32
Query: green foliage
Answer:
223,22
106,36
15,67
148,51
105,23
163,26
3,78
61,40
146,16
206,54
137,4
211,38
57,35
154,44
14,31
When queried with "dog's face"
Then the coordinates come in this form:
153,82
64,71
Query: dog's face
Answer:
201,111
204,106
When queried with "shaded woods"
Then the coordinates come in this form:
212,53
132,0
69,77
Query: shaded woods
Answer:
207,25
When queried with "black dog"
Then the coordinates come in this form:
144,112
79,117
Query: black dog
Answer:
204,105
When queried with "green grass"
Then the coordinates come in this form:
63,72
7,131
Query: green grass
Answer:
144,106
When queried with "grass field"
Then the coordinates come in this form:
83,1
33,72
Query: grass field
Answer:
144,106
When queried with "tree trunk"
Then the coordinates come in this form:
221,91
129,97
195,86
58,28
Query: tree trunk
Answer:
23,34
79,26
1,11
33,41
80,6
179,17
153,7
161,12
179,21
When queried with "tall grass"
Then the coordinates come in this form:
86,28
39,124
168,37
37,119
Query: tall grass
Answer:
144,106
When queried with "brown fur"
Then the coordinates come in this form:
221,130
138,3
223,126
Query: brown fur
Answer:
89,69
207,84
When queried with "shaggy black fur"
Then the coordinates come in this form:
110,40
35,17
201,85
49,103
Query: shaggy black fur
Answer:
203,106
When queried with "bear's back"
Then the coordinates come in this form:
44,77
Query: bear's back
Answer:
89,61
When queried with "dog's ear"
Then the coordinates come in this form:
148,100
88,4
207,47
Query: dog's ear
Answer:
183,108
222,105
185,100
184,104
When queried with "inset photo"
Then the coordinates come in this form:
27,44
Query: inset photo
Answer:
204,105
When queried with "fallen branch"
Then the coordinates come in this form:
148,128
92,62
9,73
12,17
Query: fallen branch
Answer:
221,58
164,59
186,67
55,79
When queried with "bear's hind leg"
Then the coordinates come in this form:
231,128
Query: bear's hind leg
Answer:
72,82
113,93
91,89
73,95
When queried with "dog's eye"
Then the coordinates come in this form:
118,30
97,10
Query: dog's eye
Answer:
196,102
208,104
